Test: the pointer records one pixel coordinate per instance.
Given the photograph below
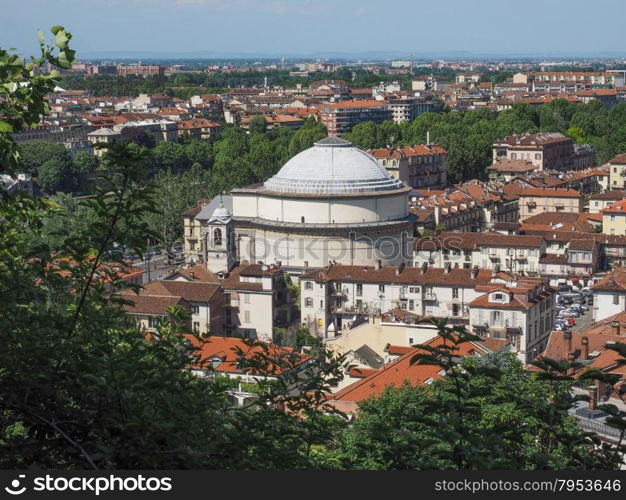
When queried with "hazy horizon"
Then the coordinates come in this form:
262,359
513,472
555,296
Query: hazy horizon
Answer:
322,28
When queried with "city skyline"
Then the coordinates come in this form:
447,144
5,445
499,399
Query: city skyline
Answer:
304,28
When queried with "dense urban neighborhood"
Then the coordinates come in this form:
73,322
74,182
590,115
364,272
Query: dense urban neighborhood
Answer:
340,256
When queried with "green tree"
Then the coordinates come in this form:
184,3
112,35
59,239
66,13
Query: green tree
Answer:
257,125
35,153
85,162
55,175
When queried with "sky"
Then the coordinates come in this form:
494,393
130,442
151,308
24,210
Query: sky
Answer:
318,28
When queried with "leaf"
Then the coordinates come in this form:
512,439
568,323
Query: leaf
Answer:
55,29
5,128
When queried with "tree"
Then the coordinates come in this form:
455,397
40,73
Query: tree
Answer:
363,135
35,153
85,162
310,132
486,413
257,125
55,175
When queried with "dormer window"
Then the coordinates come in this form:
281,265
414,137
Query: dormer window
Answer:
498,296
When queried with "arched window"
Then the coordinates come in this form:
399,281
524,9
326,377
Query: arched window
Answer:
217,236
384,163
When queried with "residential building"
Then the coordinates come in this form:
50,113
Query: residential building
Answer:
600,201
506,169
614,219
408,109
617,172
533,201
198,128
511,253
418,166
546,150
140,70
256,300
521,311
609,294
330,298
339,118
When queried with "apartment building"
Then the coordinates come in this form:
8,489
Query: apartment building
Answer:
533,201
581,79
600,201
617,172
418,166
545,150
610,294
512,253
506,170
256,300
339,118
333,298
614,219
140,70
408,109
520,310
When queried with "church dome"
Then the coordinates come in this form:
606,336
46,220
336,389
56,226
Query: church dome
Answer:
333,166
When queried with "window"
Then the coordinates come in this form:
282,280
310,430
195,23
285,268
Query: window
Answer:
411,305
455,293
597,203
152,322
615,299
321,285
321,304
498,296
513,156
308,302
359,289
537,156
246,316
217,237
196,309
359,304
196,326
612,218
455,309
411,341
381,288
246,298
308,285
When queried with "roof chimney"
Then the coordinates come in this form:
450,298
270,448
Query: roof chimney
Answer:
593,397
615,327
585,347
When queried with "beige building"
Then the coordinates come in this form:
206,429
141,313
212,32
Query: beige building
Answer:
545,150
614,219
617,172
495,251
536,200
518,310
419,166
506,170
600,201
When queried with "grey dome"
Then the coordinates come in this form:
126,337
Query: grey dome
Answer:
332,166
221,214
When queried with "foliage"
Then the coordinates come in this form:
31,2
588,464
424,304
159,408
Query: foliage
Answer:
486,413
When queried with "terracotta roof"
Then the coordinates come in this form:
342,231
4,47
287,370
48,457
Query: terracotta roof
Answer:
192,212
153,305
621,158
619,207
408,151
535,140
199,272
388,274
225,348
369,103
587,245
614,194
550,192
614,281
551,258
399,371
472,241
191,291
512,166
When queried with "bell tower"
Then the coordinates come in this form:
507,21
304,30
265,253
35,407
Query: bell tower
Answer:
219,244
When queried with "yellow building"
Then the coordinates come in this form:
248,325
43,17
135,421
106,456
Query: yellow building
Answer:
614,219
617,172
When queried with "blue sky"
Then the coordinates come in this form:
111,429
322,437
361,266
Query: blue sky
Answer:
303,27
